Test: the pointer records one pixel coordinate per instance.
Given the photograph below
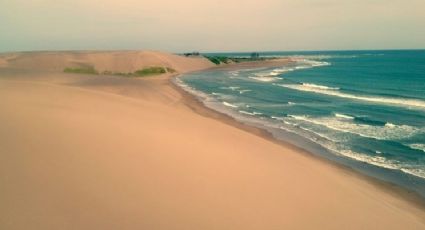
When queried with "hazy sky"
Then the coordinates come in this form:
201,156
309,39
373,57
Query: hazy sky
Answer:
211,25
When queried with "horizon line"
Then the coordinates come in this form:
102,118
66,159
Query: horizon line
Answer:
212,52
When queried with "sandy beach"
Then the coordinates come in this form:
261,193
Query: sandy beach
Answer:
110,152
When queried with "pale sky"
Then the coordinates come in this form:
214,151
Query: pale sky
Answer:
211,25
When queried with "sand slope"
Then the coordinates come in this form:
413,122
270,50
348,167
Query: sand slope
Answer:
99,152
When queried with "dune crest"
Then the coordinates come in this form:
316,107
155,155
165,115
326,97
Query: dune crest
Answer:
112,61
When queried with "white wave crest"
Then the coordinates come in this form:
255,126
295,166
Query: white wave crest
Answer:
244,91
394,132
380,100
236,88
222,96
376,160
270,76
373,160
344,116
234,73
266,78
322,87
278,118
316,63
418,147
307,63
229,104
200,95
390,125
281,70
249,113
415,172
233,88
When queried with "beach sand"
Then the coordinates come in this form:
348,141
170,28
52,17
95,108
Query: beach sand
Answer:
105,152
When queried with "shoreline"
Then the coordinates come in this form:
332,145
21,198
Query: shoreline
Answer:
197,106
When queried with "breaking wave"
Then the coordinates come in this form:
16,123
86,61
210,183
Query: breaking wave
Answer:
335,92
250,113
379,161
342,124
236,88
266,78
322,87
420,147
340,115
327,141
307,63
229,104
244,91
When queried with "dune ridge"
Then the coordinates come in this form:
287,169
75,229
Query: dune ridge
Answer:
113,61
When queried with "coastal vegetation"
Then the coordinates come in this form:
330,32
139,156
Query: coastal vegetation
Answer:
148,71
81,70
153,71
218,60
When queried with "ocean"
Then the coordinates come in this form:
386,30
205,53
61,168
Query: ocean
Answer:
362,109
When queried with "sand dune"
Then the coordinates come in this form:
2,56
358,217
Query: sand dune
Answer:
114,61
104,152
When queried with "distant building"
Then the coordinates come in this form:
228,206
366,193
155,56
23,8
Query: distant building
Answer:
255,55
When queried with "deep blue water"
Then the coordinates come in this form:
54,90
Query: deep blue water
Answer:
365,109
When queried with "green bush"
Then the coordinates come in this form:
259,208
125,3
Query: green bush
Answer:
153,71
81,70
218,59
213,60
150,71
226,60
139,73
223,59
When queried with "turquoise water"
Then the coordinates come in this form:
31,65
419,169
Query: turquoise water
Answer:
364,109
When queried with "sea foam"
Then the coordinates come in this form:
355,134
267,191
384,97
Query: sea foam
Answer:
250,113
321,87
344,116
330,91
338,148
420,147
265,78
386,132
229,104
